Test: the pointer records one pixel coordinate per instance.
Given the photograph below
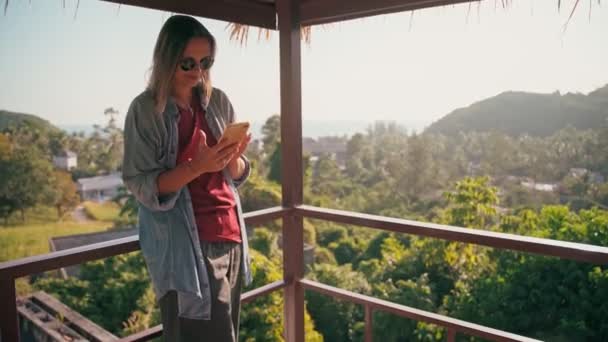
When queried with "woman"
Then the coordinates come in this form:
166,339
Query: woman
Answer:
191,227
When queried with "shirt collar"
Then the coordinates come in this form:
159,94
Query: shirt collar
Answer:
171,108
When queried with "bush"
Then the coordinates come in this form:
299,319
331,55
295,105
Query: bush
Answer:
107,211
327,235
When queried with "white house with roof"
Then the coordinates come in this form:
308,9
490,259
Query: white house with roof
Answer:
546,187
99,188
65,160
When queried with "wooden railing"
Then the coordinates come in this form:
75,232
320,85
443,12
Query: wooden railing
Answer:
11,270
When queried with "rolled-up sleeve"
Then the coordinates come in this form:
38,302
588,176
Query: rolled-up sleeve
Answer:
143,157
237,182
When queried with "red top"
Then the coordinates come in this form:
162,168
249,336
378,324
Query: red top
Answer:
212,200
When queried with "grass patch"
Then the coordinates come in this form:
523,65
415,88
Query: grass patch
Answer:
33,239
36,215
108,211
20,241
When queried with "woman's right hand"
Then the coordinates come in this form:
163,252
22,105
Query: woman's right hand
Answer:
213,159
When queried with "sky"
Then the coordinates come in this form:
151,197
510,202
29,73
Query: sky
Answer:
412,69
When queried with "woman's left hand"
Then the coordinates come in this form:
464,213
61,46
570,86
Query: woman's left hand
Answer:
242,147
236,166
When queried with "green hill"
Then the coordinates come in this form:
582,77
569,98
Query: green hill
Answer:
12,120
517,113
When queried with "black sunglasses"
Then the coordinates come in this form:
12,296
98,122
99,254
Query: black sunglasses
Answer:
190,63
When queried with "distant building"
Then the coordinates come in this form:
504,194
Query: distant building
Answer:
330,145
578,172
66,160
546,187
43,318
474,168
100,188
60,243
596,178
512,178
333,146
592,177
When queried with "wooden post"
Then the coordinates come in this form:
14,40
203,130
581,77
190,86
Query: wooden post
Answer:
9,322
369,323
291,165
451,335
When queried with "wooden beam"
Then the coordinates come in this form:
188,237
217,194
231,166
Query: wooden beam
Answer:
68,257
157,331
315,12
78,255
262,216
419,315
262,291
561,249
146,335
243,12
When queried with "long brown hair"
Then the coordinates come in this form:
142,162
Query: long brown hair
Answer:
170,45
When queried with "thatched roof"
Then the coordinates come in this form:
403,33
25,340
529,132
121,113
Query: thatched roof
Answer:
263,13
244,14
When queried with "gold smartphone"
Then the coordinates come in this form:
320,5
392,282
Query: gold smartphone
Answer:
235,132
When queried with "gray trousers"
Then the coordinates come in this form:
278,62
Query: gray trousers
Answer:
223,262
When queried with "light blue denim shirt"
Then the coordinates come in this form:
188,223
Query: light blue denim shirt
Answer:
168,235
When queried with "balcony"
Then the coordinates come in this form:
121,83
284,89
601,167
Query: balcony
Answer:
292,14
293,285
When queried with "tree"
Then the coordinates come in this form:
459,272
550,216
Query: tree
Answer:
111,148
111,112
543,297
262,319
499,154
258,193
100,152
600,151
5,145
472,204
419,168
600,194
274,173
415,293
335,319
271,130
347,250
355,148
66,195
327,178
26,180
107,291
128,206
327,235
264,241
58,142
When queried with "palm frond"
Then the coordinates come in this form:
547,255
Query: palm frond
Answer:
76,10
240,33
571,14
